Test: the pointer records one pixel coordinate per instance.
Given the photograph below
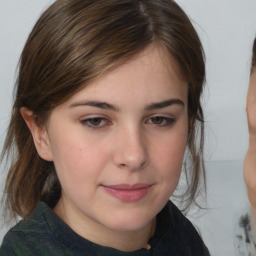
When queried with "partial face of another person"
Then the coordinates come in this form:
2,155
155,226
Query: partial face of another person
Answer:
251,105
118,144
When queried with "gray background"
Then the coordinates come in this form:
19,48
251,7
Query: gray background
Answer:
227,29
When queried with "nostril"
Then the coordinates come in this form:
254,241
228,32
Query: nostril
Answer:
131,150
134,165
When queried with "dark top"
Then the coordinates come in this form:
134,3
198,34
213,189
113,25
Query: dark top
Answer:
44,233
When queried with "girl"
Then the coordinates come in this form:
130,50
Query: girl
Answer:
107,102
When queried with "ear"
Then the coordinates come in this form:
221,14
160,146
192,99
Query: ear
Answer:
39,134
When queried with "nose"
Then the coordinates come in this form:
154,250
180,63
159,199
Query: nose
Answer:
131,151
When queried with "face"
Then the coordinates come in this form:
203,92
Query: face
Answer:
118,144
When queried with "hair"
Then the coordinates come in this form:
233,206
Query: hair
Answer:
253,67
72,43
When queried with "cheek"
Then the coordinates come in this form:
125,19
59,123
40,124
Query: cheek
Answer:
77,168
67,154
169,156
77,158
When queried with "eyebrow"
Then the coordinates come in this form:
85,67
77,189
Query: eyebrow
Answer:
97,104
150,107
164,104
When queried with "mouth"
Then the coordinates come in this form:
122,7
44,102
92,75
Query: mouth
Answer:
128,193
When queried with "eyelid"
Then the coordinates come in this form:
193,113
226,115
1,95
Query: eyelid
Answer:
85,121
168,120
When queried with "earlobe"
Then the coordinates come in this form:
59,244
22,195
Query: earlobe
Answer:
39,134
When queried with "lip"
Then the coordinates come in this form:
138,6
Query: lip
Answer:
127,192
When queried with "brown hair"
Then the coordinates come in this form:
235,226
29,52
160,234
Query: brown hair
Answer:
254,55
72,43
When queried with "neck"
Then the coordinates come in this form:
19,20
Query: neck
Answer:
121,240
129,240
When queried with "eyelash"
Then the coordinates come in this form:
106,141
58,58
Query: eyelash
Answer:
164,122
88,122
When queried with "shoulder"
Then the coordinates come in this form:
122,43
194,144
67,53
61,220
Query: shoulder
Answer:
30,236
188,235
17,242
180,221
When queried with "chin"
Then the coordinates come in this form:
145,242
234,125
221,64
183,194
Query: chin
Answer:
130,222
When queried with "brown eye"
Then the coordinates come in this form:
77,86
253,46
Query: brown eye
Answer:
157,120
161,121
95,121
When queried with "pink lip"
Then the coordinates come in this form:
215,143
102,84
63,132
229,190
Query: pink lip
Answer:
128,193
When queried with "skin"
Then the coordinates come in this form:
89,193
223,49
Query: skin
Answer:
130,140
250,159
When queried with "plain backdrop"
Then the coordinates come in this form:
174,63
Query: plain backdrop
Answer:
227,29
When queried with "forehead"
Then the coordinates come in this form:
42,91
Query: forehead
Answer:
151,74
154,58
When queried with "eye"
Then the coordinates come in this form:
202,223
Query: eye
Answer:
157,120
161,121
95,122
